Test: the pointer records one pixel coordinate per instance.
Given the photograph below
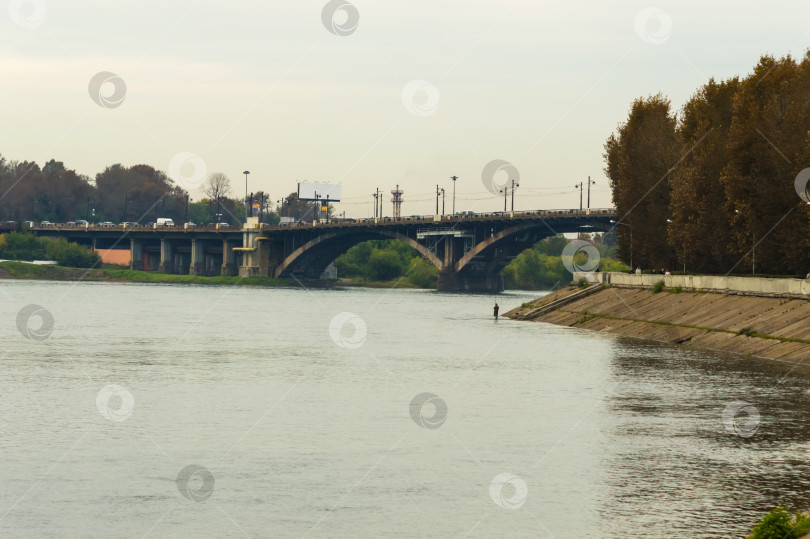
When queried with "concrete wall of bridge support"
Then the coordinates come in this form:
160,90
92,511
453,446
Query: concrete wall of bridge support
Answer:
470,282
256,260
228,258
135,254
175,258
197,264
166,256
467,280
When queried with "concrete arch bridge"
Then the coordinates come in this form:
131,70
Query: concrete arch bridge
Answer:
469,250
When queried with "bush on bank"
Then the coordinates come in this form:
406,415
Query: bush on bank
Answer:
386,260
24,246
779,523
20,246
71,254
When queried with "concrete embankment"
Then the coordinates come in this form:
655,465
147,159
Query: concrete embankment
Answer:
765,321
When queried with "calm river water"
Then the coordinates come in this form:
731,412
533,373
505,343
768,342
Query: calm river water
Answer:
183,411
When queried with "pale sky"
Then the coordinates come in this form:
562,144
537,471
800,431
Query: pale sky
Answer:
265,86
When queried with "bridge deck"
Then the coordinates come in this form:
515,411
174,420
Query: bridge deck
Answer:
420,220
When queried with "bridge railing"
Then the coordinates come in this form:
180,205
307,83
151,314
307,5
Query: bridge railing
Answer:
448,218
351,222
138,228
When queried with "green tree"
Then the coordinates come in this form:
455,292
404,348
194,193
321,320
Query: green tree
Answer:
71,254
385,265
21,246
639,160
701,230
767,146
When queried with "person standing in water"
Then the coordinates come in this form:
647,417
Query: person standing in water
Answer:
495,310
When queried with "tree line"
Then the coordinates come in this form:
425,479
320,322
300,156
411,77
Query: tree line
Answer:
714,186
139,193
26,246
538,268
542,268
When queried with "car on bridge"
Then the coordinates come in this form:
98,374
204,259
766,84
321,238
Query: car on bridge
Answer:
80,222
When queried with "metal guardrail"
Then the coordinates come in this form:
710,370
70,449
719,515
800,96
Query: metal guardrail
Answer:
361,222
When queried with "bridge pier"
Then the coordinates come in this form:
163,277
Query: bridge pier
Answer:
166,256
197,265
254,250
470,282
228,259
135,254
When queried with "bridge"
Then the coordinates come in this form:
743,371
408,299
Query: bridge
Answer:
469,250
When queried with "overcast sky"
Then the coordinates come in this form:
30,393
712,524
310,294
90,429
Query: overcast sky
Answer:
412,94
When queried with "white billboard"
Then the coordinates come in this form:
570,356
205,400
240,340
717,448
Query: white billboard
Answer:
319,191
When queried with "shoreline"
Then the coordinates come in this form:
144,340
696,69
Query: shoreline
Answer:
16,270
753,325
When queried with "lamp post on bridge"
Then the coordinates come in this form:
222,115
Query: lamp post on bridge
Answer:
442,201
579,186
589,193
454,178
246,194
514,185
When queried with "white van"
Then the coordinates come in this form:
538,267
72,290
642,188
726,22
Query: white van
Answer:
164,221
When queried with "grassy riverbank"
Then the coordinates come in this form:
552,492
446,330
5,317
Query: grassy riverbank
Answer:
22,270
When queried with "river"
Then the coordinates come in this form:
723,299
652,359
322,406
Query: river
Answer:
133,410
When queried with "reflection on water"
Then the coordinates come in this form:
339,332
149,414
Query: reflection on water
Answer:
668,427
173,411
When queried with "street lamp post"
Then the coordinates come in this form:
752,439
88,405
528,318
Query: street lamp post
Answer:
579,186
442,201
246,194
631,239
683,250
754,247
589,191
513,194
437,200
454,178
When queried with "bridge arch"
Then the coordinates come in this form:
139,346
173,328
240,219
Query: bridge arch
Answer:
333,243
511,240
